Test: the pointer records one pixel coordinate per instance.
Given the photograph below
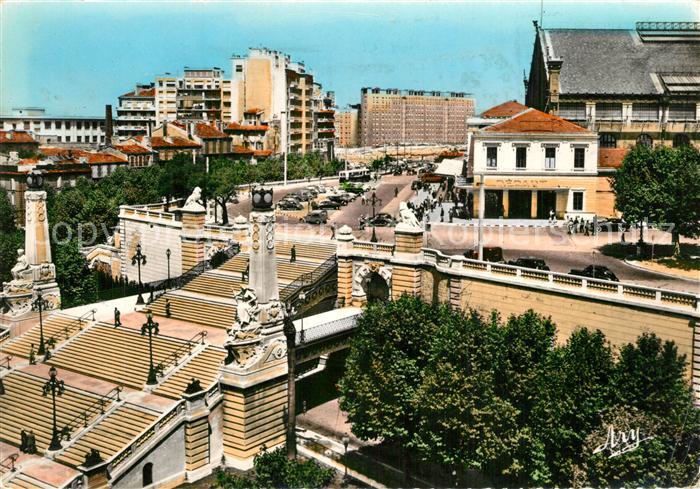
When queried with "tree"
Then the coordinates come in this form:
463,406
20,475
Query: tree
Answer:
11,238
380,390
224,179
662,185
77,282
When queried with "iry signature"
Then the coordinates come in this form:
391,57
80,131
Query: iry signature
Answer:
619,442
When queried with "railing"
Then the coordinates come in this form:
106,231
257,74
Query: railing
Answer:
667,26
4,335
307,281
8,463
174,358
78,322
373,247
325,330
5,362
160,287
639,293
84,417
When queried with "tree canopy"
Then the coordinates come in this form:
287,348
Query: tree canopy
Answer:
504,398
661,185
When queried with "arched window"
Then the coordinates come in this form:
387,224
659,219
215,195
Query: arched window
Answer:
608,140
147,474
681,140
646,140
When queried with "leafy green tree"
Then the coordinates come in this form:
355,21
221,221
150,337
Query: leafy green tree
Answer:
11,237
77,282
380,390
661,184
223,181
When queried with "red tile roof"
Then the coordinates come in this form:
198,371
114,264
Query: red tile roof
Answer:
132,149
263,152
506,109
64,152
242,150
148,93
16,137
103,158
235,126
174,142
535,121
253,110
611,157
207,131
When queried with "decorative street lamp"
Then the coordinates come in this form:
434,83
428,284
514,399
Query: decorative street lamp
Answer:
167,255
40,304
346,441
290,333
139,259
150,327
55,387
373,201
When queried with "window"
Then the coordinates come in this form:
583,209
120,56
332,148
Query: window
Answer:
579,158
550,158
94,139
79,125
645,112
26,125
60,139
147,474
239,68
47,125
610,112
681,140
578,201
520,157
80,139
574,112
608,140
67,124
491,156
68,139
681,112
645,140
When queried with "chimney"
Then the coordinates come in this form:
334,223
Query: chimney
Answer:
108,125
165,129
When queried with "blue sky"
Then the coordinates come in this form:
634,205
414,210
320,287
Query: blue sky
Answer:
72,58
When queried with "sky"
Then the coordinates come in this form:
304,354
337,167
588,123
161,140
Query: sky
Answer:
72,58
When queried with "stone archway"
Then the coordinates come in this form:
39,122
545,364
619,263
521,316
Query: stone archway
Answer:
371,279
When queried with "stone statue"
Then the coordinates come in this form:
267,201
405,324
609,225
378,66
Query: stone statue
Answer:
20,268
247,310
407,217
192,202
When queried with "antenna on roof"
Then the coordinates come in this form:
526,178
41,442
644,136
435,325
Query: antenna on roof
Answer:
541,11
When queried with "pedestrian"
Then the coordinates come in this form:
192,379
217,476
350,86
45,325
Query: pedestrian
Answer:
244,273
117,318
551,216
364,200
586,233
332,230
576,225
293,254
569,227
396,191
167,307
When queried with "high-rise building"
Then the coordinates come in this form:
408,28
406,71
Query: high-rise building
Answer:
199,94
391,116
74,131
348,125
283,93
166,98
631,86
136,111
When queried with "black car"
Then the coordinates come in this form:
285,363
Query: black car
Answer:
294,195
596,271
612,225
530,262
289,205
328,204
342,199
491,253
315,217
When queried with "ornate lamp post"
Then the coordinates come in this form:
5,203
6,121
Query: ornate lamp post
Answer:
150,327
139,259
302,299
373,201
55,387
346,441
167,255
40,304
290,334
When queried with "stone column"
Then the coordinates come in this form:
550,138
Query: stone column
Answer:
406,274
241,232
192,238
263,259
197,444
533,205
345,239
37,245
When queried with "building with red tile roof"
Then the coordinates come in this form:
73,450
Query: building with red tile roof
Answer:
506,109
17,141
533,121
136,112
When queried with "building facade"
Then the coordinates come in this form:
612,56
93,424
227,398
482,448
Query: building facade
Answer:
631,86
534,163
79,131
348,126
136,112
391,116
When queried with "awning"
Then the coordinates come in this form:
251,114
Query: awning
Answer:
450,167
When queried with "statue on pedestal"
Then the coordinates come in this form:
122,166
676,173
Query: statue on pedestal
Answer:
407,218
192,202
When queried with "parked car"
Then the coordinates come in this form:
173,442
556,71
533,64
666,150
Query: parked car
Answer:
289,205
316,217
380,220
530,262
311,190
491,253
613,225
430,177
292,195
596,271
328,204
342,199
352,188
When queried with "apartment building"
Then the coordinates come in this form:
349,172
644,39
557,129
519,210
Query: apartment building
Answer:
199,94
166,98
391,116
631,86
86,132
324,132
136,112
347,125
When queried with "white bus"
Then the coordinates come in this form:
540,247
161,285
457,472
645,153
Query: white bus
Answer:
355,175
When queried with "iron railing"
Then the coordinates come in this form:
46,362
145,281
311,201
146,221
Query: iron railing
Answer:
84,417
78,323
308,281
8,463
174,358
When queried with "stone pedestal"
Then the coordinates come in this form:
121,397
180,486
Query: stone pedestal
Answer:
406,276
192,238
197,435
263,261
345,239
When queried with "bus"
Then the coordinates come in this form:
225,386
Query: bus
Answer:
355,175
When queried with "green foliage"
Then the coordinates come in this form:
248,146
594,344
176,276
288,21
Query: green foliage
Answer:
273,469
502,398
77,283
661,184
11,238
